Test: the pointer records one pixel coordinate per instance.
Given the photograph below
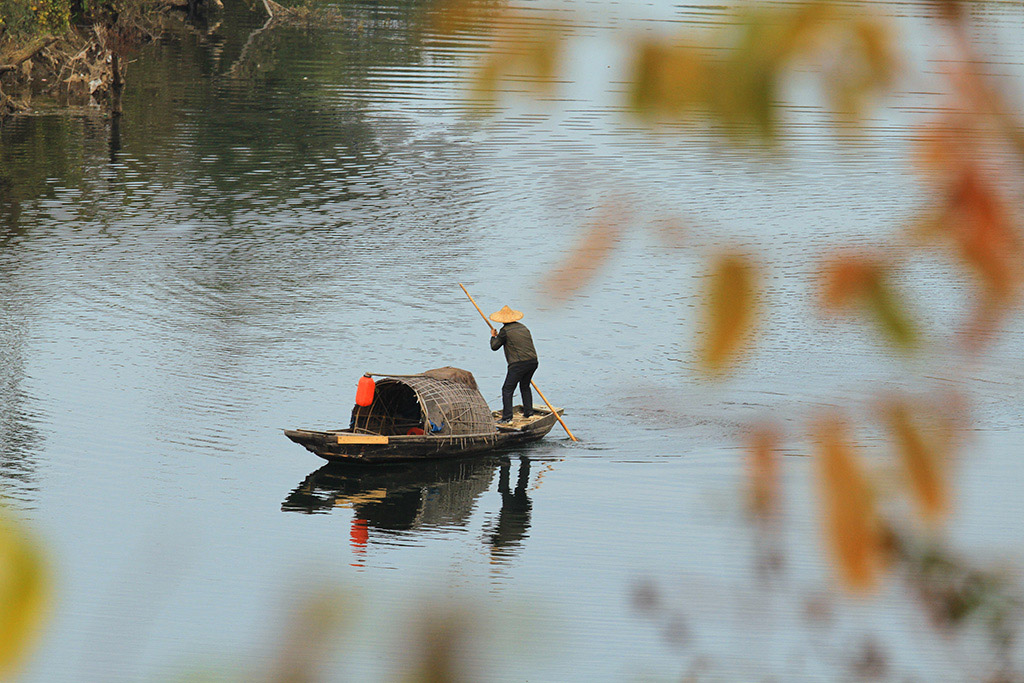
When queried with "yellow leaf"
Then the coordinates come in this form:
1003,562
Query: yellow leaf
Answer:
24,594
449,17
877,49
485,80
852,531
734,77
529,56
747,81
864,67
543,57
667,78
729,313
922,459
313,627
799,29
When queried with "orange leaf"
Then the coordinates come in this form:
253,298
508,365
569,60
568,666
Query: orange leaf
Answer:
924,462
985,234
943,146
763,470
985,320
589,255
845,280
852,530
974,220
729,312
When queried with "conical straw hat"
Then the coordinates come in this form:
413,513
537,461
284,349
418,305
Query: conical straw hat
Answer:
506,315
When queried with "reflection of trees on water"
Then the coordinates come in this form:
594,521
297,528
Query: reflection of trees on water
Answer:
35,150
251,163
19,439
374,34
283,150
266,114
293,120
416,497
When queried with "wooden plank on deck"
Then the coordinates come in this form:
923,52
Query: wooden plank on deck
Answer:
361,439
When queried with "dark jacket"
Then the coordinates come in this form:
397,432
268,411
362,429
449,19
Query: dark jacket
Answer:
517,342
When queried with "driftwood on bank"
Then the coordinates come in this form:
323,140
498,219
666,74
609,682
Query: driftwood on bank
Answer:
27,53
9,105
191,6
273,8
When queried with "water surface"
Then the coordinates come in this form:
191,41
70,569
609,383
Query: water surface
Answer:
269,222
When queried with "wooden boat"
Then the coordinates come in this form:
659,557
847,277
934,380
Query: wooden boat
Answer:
416,417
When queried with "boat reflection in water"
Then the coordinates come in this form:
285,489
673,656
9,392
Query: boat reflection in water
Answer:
389,500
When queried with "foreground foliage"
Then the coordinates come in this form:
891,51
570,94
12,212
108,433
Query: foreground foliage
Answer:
24,593
729,80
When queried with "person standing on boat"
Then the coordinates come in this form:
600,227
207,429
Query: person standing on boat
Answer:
521,358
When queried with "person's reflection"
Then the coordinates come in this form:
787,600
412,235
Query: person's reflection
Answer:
514,518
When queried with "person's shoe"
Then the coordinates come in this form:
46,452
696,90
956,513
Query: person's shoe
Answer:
505,422
528,414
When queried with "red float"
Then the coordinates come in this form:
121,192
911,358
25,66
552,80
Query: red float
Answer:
364,392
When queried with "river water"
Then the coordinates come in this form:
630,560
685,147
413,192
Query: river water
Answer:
278,213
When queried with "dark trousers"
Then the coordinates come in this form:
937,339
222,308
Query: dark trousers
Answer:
521,374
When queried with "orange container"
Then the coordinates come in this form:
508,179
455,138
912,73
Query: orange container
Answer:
364,392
